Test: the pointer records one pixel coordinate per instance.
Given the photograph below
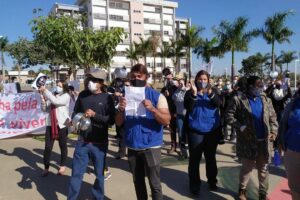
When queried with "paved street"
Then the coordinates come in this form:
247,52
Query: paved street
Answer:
21,166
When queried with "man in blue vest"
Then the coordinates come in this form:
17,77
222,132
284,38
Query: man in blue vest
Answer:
144,135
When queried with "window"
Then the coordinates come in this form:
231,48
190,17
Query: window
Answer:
148,64
119,5
99,16
159,64
136,11
157,10
137,22
137,34
116,17
166,32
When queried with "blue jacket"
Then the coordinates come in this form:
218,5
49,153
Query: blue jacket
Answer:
204,117
144,132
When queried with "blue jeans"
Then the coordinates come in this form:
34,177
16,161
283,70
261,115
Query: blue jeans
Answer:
179,123
83,153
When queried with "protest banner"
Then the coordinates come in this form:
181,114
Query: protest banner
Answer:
21,114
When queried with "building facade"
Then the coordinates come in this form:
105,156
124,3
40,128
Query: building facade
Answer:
138,18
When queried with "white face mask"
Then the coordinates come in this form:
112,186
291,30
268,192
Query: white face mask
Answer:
92,86
59,90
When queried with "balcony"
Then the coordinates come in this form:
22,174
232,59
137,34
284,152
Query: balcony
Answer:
119,18
99,16
119,5
152,21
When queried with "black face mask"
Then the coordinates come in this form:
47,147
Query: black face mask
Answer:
138,83
278,86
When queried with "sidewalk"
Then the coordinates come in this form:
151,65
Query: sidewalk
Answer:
22,164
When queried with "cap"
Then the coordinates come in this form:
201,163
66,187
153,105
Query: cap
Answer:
99,74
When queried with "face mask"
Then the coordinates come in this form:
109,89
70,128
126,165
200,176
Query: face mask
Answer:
92,86
138,83
200,85
58,90
256,92
278,86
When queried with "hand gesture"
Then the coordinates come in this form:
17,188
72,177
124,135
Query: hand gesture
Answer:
148,105
166,93
272,137
42,89
89,113
194,88
122,104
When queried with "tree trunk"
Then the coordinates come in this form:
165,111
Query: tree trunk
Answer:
273,56
232,64
189,63
19,73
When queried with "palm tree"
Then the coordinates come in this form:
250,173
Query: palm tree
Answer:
165,52
233,37
143,48
176,52
154,41
208,49
132,54
287,57
275,30
3,46
191,40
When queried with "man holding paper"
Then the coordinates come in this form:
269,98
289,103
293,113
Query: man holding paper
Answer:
144,112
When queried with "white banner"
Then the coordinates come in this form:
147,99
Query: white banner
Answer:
21,114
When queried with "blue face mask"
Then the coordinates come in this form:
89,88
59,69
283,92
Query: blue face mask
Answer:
256,92
200,85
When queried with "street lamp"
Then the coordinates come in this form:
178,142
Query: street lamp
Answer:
296,73
2,65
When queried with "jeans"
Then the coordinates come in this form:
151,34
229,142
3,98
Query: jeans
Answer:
206,144
49,142
83,153
146,162
179,123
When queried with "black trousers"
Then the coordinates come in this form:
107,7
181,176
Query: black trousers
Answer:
146,162
121,144
206,144
62,139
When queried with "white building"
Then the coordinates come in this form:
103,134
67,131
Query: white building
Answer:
138,18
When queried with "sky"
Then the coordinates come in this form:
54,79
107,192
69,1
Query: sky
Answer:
15,16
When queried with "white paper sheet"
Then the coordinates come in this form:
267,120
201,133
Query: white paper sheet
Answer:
134,97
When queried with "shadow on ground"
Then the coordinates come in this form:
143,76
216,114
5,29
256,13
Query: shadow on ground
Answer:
48,186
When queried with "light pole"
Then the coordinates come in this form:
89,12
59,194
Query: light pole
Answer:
296,73
2,65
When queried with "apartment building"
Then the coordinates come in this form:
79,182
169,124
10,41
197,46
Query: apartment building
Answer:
138,18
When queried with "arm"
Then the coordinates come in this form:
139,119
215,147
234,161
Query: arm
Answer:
215,98
272,119
283,126
230,113
161,113
45,104
189,100
57,101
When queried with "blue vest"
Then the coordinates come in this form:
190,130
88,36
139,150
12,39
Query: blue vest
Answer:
205,117
144,132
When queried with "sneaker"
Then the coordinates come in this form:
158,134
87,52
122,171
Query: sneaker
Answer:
107,175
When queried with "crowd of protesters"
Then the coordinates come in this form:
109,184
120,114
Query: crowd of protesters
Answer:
256,115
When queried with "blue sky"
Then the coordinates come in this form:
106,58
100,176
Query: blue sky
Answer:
15,16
